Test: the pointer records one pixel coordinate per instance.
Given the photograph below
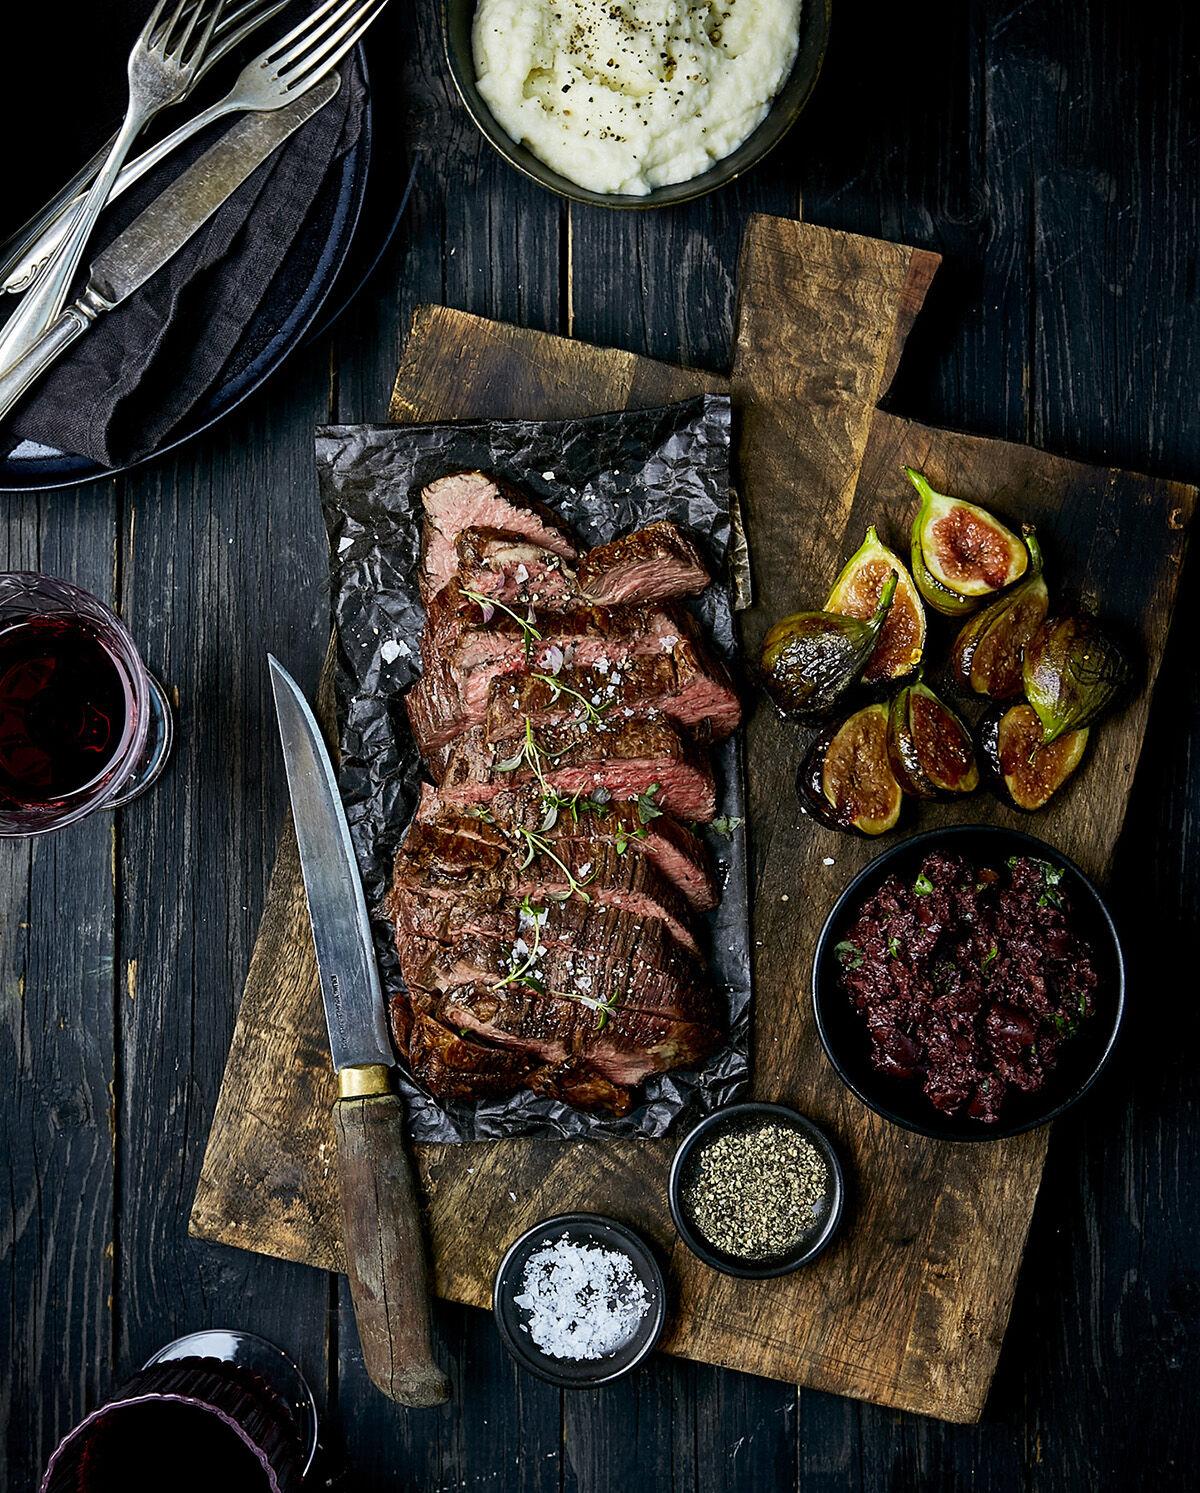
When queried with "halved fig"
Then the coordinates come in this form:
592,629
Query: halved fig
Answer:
933,592
811,659
856,593
987,654
1027,770
965,549
1072,672
846,780
929,747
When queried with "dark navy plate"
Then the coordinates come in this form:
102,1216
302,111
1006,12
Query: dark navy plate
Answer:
316,282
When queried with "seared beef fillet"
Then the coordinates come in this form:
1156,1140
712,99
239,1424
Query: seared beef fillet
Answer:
453,1066
626,759
674,849
651,564
512,569
473,500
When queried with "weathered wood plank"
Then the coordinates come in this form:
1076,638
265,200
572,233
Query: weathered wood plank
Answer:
57,999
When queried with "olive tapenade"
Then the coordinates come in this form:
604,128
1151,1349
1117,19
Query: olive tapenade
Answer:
969,978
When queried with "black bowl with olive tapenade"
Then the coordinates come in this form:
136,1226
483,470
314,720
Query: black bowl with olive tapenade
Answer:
1078,1041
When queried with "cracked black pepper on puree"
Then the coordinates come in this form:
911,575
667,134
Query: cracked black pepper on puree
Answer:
627,95
757,1192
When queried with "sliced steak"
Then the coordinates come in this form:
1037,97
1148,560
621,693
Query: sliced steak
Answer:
513,570
626,758
651,564
674,849
434,865
473,500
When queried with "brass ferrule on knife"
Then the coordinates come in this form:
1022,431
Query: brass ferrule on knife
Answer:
363,1082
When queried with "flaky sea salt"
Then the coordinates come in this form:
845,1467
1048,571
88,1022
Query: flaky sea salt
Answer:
583,1301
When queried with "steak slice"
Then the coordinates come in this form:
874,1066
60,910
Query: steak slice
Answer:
583,950
512,569
651,564
436,865
457,630
473,500
675,850
689,689
575,1081
627,759
626,1047
452,1066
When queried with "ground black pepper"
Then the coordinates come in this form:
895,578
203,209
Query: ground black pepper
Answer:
757,1191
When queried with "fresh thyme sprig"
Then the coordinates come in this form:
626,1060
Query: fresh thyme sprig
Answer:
535,845
591,713
529,753
529,632
529,914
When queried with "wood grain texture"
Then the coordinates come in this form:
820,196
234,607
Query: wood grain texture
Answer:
936,1254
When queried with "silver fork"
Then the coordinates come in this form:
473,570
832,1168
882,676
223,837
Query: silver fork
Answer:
283,72
162,66
230,31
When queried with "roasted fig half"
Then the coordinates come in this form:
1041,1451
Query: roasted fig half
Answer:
856,593
1072,672
846,780
964,549
810,659
1027,770
987,654
929,747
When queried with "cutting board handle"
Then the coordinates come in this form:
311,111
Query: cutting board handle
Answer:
385,1250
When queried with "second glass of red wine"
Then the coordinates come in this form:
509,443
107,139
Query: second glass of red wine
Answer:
83,723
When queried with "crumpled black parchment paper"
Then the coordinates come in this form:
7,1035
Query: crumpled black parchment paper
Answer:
605,474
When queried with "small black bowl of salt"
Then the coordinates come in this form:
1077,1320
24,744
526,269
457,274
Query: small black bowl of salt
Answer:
579,1300
756,1190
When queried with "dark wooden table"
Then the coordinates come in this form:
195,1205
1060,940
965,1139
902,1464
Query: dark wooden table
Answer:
1048,151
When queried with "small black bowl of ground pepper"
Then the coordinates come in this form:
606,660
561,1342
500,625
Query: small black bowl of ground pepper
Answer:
756,1190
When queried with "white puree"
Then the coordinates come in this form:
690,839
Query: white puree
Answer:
626,95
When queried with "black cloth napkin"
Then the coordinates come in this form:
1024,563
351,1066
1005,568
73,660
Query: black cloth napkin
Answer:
130,380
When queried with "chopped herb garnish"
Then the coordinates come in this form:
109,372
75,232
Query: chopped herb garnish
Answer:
894,947
851,954
922,886
725,824
989,956
646,807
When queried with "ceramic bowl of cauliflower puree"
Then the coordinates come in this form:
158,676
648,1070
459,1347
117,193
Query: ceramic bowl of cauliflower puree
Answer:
635,103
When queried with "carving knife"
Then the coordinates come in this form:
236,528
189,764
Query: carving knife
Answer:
162,229
381,1227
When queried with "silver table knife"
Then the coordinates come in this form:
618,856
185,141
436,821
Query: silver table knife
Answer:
381,1228
158,233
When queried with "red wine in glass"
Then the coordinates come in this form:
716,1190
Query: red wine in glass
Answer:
221,1411
83,724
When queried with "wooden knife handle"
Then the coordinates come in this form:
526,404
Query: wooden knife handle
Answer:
385,1251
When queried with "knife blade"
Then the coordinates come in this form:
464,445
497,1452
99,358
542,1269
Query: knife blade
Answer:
158,233
381,1229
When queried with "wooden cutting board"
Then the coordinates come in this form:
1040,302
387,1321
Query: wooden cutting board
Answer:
909,1307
